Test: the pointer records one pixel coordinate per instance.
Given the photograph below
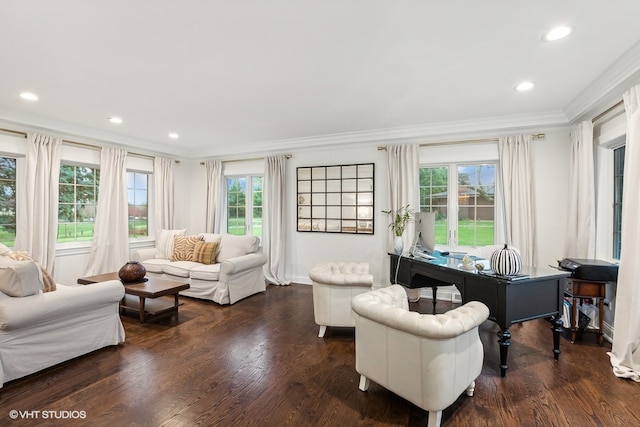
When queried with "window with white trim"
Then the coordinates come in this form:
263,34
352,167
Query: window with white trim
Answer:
7,200
244,205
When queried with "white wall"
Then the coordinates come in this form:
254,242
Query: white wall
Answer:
551,166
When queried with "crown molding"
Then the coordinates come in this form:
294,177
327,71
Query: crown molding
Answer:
71,131
477,128
608,88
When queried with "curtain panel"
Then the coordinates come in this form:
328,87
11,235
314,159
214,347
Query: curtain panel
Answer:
163,194
516,175
404,184
581,220
37,208
216,204
110,246
625,351
274,219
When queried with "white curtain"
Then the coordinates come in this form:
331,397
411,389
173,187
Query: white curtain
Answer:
163,194
404,184
273,219
216,204
37,207
625,352
581,221
516,174
110,246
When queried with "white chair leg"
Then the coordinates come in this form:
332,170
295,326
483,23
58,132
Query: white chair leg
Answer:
435,417
471,388
323,329
364,383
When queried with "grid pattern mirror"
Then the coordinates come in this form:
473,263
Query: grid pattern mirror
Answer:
336,199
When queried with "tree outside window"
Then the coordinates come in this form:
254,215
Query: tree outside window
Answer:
7,200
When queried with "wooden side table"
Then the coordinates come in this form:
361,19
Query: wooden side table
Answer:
577,289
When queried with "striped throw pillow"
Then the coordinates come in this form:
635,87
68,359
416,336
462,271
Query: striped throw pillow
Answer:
205,252
183,247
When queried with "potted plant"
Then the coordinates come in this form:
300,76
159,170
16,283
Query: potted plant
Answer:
400,218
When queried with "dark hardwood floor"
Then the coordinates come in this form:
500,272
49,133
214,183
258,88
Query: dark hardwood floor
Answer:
259,362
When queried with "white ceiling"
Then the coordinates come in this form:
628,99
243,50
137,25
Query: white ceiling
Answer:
246,76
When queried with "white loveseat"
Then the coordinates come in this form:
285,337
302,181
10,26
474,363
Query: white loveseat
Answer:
236,272
430,360
43,329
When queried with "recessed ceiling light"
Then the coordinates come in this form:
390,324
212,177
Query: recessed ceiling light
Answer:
174,135
115,119
557,33
524,86
29,96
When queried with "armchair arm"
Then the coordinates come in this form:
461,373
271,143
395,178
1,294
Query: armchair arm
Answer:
144,254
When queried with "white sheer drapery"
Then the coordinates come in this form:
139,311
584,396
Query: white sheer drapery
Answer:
273,219
37,206
215,216
163,194
581,221
516,175
625,352
404,182
110,246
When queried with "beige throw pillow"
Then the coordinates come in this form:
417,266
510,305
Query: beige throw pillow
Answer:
183,247
19,278
48,283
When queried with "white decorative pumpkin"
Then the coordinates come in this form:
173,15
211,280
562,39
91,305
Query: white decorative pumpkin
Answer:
506,261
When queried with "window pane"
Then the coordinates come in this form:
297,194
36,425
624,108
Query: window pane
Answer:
618,178
78,197
433,197
476,204
137,197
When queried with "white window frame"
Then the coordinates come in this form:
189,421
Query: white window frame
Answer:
452,156
248,202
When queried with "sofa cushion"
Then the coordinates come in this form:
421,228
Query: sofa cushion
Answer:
19,278
183,247
206,272
205,252
211,237
164,244
234,246
180,268
155,265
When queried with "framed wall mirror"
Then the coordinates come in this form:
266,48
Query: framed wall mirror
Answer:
336,199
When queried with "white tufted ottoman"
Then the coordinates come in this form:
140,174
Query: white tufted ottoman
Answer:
334,285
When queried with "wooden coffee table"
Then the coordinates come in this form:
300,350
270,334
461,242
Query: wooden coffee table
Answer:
152,289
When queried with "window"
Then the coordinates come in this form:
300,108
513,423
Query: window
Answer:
467,220
7,200
244,205
137,194
77,201
618,175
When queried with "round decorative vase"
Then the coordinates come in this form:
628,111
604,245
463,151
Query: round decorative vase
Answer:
398,245
506,261
132,272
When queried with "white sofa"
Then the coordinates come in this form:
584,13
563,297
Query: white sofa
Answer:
41,330
429,360
236,274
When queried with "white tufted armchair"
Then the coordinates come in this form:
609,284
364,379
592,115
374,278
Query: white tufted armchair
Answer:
334,285
429,360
